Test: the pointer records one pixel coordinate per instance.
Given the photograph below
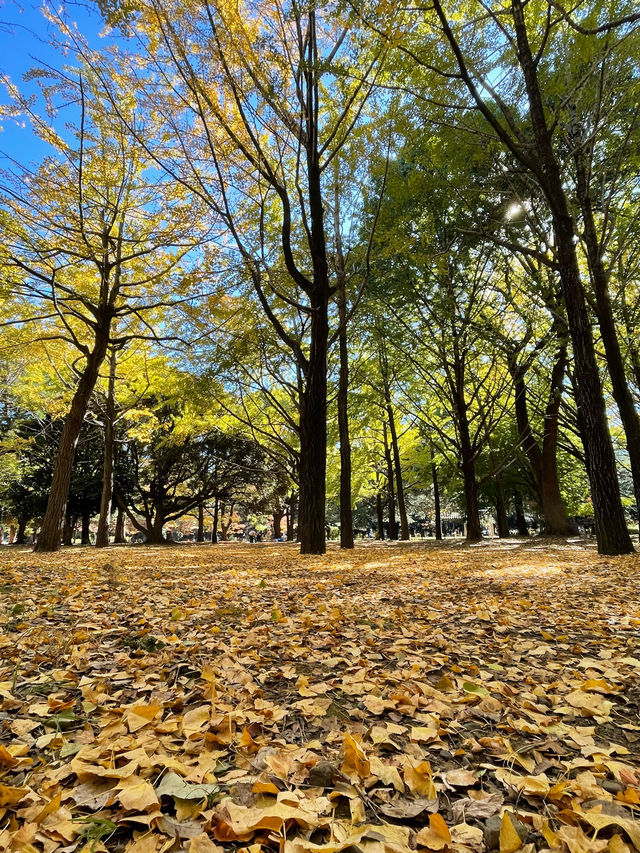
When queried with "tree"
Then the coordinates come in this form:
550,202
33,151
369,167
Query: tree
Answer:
261,104
515,109
86,244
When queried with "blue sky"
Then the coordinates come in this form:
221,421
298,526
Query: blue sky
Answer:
24,41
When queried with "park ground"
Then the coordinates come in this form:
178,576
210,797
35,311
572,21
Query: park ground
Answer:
243,697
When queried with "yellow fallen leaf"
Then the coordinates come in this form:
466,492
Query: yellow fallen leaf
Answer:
140,716
436,836
138,795
10,796
510,841
354,763
419,781
601,821
532,785
195,720
203,844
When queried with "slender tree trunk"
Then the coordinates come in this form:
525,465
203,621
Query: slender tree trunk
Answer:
216,515
468,467
12,534
200,534
436,496
104,521
521,521
404,523
119,538
611,527
85,538
606,321
393,524
346,513
380,517
50,532
501,511
291,517
278,515
313,433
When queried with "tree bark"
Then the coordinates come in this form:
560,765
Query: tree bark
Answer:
606,321
402,510
436,496
313,432
521,521
67,530
611,528
469,480
50,532
85,537
154,531
501,511
380,517
543,463
216,515
291,517
104,521
21,535
119,538
346,512
200,534
278,515
391,503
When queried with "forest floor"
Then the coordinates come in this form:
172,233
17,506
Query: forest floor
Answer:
242,697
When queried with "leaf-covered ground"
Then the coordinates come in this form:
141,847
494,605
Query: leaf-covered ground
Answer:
242,697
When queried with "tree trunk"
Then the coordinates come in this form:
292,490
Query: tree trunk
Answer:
543,463
393,524
200,534
85,537
119,538
346,512
216,515
436,497
67,529
611,528
468,467
104,521
501,511
50,532
313,432
521,521
21,535
278,515
380,517
154,528
12,534
606,321
291,517
470,484
404,524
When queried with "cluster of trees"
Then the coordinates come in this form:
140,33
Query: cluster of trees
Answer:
377,257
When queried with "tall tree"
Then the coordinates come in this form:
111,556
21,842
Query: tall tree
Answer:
513,108
261,102
86,241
